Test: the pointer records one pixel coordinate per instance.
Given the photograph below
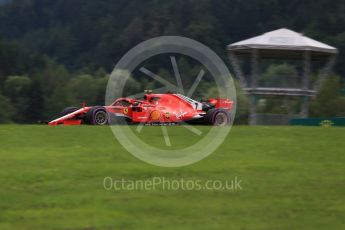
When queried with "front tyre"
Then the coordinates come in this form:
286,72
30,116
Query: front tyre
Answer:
68,110
97,116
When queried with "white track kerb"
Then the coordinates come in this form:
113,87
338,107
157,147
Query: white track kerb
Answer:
171,45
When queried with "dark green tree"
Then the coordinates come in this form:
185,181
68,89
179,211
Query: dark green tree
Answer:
17,89
6,111
329,102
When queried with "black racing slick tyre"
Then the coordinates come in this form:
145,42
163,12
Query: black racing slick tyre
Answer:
218,117
97,116
68,110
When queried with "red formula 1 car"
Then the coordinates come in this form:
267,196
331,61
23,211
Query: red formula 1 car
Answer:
153,109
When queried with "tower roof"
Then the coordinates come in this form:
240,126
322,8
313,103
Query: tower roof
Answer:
282,39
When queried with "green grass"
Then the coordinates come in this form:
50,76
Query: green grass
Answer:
52,178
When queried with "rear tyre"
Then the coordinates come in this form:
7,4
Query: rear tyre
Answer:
68,110
218,117
97,116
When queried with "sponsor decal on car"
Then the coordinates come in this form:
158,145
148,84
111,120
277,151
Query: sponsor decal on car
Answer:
155,115
180,114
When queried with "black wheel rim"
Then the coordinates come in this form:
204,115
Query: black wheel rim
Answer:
101,118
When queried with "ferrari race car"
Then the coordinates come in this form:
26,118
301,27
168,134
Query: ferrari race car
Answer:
153,109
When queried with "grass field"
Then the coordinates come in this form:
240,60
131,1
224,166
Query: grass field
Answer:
52,178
